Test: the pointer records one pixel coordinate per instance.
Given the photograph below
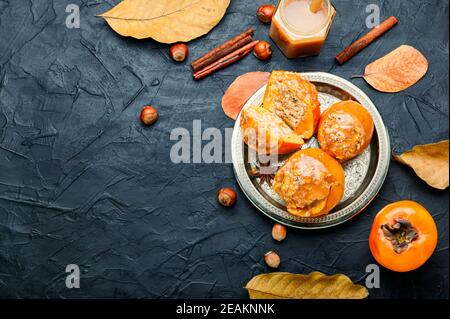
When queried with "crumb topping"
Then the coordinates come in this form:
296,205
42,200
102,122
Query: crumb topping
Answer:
344,134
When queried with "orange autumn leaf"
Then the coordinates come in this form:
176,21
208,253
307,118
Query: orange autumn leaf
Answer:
241,90
397,70
430,162
166,21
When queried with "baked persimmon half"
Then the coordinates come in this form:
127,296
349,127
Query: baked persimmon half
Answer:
345,130
295,100
403,236
265,132
311,182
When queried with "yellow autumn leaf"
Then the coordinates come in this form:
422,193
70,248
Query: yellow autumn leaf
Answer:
283,285
430,162
397,70
166,21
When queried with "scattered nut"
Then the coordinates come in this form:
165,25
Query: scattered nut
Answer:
149,115
263,50
279,232
272,259
179,52
226,197
265,13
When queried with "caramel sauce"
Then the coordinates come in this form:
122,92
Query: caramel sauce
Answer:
300,17
297,31
305,185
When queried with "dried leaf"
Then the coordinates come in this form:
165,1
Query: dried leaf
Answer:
241,90
166,21
397,70
283,285
430,162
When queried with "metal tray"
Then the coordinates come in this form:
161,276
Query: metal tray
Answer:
364,175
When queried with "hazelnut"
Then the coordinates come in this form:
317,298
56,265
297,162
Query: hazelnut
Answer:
226,197
279,232
149,115
265,13
179,52
272,259
263,50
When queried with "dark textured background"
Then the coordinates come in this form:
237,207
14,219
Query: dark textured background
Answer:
81,181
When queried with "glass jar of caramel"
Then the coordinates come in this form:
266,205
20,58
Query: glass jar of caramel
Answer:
297,30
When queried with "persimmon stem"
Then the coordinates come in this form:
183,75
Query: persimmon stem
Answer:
401,233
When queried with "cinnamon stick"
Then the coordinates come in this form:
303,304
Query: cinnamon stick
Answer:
222,50
365,40
237,52
225,61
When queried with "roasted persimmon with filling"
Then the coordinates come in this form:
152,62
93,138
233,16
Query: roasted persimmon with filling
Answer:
345,130
295,100
311,182
403,236
266,133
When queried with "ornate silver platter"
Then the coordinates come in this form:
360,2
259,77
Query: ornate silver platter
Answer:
364,175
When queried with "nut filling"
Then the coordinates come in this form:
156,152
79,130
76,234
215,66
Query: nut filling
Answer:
400,234
289,107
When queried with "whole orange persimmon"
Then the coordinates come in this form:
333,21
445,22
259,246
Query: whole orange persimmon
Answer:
403,236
